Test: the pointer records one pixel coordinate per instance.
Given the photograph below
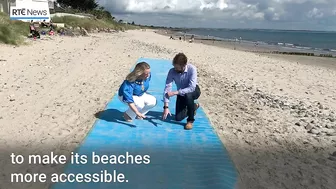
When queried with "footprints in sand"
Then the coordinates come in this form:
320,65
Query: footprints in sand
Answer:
275,128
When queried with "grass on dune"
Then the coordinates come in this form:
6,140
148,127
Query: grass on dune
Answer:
90,23
12,31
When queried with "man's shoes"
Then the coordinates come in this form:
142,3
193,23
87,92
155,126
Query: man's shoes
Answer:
188,126
126,117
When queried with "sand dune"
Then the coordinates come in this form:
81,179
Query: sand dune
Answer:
276,117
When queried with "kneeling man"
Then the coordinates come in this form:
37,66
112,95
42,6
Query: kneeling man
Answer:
184,75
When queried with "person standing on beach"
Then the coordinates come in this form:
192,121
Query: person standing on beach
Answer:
184,75
133,92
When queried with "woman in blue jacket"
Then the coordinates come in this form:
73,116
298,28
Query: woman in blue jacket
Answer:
133,92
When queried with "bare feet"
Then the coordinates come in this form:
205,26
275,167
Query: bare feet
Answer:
126,117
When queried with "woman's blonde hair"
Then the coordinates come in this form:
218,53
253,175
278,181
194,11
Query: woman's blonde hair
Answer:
138,71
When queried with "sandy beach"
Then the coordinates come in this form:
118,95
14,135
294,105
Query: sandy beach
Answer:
276,116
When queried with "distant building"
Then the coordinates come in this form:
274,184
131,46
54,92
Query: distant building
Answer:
51,4
4,6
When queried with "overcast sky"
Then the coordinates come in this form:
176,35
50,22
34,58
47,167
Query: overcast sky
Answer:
273,14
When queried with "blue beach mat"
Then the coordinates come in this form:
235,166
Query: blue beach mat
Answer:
179,159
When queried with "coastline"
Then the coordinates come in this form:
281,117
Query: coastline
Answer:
274,52
275,117
263,46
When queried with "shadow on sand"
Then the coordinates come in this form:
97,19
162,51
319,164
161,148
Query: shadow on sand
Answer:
153,117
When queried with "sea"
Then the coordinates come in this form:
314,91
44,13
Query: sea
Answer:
317,42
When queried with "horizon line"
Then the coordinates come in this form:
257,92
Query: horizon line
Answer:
309,30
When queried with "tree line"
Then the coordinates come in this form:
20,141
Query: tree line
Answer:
88,6
84,5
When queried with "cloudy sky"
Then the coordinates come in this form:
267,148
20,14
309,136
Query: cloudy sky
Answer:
271,14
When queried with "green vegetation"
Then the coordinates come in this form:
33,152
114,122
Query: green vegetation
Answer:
12,31
92,23
83,5
100,18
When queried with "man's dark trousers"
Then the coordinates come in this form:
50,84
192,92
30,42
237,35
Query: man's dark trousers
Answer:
185,106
